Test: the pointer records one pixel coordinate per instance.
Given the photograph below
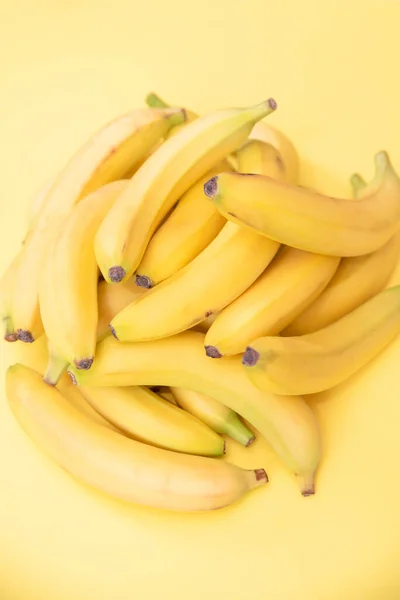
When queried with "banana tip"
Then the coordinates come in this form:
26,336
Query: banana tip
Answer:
250,357
272,103
72,378
261,475
116,274
84,363
11,337
143,281
25,336
211,187
212,352
113,331
250,441
308,491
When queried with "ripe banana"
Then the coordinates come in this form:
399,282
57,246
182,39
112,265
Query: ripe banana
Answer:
68,291
264,132
294,279
124,235
154,101
304,219
356,280
112,299
219,417
218,275
190,228
318,361
115,464
261,159
179,361
77,400
141,414
261,131
107,156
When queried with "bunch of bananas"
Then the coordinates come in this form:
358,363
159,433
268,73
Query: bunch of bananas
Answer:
176,250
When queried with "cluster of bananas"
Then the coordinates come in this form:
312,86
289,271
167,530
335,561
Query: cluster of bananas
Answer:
221,279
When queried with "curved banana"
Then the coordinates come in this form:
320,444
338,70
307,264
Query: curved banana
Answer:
294,279
261,131
141,414
264,132
115,464
318,361
107,156
68,292
193,224
219,417
310,221
287,422
125,233
204,286
111,299
78,401
260,158
356,280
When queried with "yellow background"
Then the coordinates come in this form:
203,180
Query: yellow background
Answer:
68,66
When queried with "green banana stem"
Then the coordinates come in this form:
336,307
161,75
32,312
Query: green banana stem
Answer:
154,101
9,333
358,184
55,368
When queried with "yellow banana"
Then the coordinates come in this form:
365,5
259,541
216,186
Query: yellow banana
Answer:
141,414
218,275
112,299
107,156
7,285
289,285
78,401
310,221
154,101
68,292
193,224
261,131
287,422
219,417
356,280
124,235
260,158
320,360
115,464
264,132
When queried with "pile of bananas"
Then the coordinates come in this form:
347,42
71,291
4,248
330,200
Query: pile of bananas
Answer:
177,252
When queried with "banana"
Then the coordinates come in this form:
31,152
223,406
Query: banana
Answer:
112,299
261,131
141,414
268,134
78,401
356,280
107,156
287,422
219,417
125,233
115,464
68,292
7,285
310,221
154,101
190,228
218,275
320,360
261,159
289,285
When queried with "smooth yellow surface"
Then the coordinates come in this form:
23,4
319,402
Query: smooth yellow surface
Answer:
66,67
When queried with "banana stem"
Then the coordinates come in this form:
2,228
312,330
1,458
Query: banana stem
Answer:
307,484
55,368
9,333
154,101
238,431
357,183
